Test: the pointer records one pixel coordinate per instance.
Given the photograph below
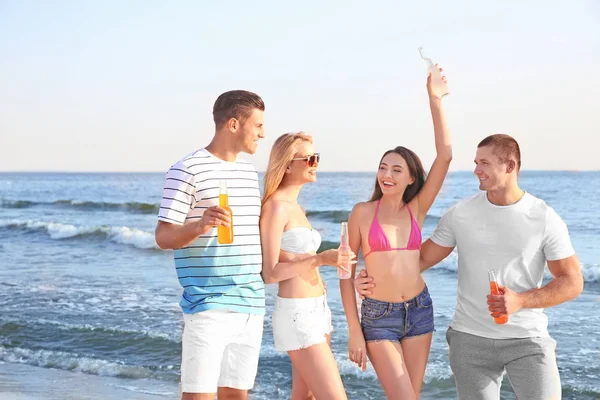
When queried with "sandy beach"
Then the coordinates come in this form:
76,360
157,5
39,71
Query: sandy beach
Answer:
25,382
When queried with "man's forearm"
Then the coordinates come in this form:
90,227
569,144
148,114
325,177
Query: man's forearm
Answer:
170,236
558,290
432,254
424,265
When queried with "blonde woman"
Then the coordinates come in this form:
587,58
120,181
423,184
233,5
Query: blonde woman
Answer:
301,316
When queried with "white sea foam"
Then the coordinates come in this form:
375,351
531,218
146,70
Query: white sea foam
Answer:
118,234
137,389
71,362
591,273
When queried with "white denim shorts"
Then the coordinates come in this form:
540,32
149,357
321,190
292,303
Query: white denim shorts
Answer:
300,323
220,349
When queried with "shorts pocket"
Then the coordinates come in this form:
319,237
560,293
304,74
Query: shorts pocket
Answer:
304,321
372,312
424,301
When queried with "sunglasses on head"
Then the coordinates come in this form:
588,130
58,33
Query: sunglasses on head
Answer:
311,160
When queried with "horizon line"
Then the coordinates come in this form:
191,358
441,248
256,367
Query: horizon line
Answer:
260,172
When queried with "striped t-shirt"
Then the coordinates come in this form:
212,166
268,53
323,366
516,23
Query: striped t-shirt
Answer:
213,275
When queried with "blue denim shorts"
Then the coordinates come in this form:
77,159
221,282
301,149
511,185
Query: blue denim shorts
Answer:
381,320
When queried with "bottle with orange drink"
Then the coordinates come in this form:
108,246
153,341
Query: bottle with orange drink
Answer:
496,291
225,233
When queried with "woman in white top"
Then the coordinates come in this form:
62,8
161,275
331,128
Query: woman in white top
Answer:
301,316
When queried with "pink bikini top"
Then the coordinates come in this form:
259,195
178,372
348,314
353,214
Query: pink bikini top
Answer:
378,240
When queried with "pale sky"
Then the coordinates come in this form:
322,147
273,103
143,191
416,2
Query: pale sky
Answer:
129,85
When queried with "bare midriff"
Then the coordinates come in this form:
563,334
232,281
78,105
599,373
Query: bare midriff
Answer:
396,275
308,284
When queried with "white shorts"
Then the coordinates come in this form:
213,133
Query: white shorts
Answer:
300,323
220,349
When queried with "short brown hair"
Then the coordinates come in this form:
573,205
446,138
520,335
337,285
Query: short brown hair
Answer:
504,146
238,104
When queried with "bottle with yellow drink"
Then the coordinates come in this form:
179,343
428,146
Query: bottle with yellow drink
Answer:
225,233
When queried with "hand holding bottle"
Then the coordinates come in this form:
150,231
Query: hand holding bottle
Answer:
495,291
225,231
342,259
437,87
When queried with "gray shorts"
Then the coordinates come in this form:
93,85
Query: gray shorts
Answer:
478,364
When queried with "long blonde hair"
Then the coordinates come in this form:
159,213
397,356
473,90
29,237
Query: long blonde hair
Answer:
282,152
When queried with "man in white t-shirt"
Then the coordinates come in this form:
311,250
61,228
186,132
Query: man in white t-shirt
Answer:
506,229
223,300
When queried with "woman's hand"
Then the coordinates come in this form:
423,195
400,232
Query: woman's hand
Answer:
363,284
338,258
357,349
430,88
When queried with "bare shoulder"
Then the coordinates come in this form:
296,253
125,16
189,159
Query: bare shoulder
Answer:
274,207
413,205
363,208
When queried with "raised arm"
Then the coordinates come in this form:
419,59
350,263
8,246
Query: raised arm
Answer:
443,148
272,224
356,345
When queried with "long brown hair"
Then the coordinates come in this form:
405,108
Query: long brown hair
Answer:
282,152
415,168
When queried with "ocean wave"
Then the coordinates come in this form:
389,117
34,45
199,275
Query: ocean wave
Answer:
327,245
95,350
73,362
122,235
135,207
16,203
339,216
591,272
145,240
137,389
449,264
336,216
173,336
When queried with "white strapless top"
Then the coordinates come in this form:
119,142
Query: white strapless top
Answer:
300,240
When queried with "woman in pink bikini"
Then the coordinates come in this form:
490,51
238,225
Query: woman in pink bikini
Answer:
396,324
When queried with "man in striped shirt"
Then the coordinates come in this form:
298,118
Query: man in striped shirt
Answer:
223,297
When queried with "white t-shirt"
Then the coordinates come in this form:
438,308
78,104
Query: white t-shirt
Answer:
516,241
